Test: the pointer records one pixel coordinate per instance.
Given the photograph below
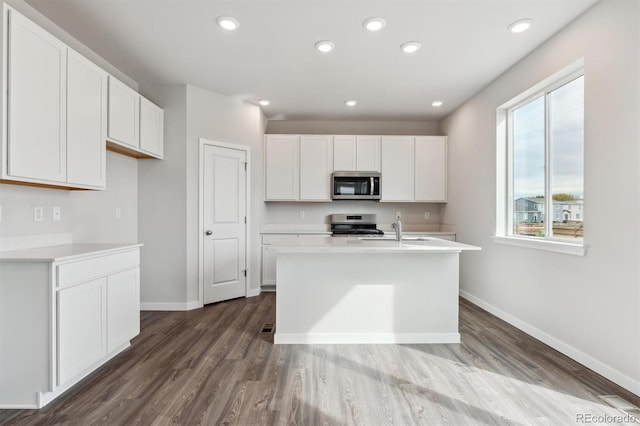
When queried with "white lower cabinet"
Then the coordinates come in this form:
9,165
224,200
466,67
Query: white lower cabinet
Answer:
123,308
82,328
281,240
77,312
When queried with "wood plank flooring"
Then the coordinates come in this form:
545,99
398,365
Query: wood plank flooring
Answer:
213,366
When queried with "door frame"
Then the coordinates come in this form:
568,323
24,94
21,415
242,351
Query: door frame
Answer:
247,256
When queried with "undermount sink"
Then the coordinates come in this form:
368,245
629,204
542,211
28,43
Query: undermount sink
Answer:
390,238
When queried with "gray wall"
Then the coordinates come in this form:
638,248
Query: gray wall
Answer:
89,215
221,118
587,307
168,196
162,202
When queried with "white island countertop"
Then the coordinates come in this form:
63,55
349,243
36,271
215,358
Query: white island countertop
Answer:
63,252
377,245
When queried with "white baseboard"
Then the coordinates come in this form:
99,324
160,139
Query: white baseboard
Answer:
170,306
253,292
588,361
417,338
44,398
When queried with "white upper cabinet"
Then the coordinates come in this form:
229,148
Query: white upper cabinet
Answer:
34,103
281,168
299,167
316,165
397,180
136,125
59,110
356,153
344,153
431,168
151,128
124,114
414,168
86,121
368,153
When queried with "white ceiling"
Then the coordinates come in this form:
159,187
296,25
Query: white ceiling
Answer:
465,45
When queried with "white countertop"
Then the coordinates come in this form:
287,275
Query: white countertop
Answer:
377,245
63,252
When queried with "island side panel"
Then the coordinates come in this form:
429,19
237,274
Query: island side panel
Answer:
25,312
404,297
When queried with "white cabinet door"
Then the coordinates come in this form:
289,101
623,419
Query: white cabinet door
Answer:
431,168
124,114
123,308
36,87
86,121
316,165
368,154
356,153
281,168
268,266
397,168
82,328
344,153
151,128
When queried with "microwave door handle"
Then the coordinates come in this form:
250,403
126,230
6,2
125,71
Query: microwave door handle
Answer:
371,190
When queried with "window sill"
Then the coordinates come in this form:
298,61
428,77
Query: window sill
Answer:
547,245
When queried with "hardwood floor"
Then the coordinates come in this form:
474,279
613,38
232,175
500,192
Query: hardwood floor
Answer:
213,366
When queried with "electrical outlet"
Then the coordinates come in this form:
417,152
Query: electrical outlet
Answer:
57,214
398,214
0,213
427,215
118,213
38,214
301,214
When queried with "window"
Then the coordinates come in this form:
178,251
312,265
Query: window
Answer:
541,151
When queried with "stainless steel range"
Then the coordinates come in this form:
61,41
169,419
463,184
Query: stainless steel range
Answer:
354,224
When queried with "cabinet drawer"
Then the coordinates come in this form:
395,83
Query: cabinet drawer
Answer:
85,270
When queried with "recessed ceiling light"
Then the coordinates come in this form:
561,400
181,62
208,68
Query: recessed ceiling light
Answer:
351,102
374,24
228,23
264,102
410,47
436,103
325,46
520,25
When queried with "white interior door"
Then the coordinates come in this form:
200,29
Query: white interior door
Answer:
224,211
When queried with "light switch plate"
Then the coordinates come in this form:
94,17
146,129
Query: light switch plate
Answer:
118,213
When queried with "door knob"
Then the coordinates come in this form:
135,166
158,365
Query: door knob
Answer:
208,232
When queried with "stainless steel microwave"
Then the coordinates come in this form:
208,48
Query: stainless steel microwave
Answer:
355,186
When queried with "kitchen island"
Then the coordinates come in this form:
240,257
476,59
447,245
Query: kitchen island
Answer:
350,290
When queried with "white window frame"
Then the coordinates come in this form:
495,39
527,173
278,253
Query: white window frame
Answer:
504,169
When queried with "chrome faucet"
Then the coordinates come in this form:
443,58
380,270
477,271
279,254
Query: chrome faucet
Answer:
398,227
